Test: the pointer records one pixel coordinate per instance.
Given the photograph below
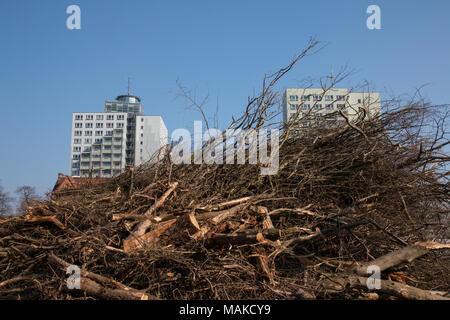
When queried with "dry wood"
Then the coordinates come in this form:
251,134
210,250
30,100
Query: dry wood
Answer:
140,229
263,264
161,200
95,284
392,259
218,216
241,238
400,290
131,189
133,243
92,288
30,217
331,182
296,211
225,204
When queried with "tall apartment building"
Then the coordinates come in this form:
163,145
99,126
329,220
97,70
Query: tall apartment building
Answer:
103,144
310,105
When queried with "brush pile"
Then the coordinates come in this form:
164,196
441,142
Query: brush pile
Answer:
344,199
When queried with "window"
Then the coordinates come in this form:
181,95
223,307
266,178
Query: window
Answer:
110,117
294,106
293,98
88,141
340,98
78,125
88,133
120,125
120,117
89,117
328,98
142,142
317,98
89,125
76,156
142,135
99,125
359,100
318,106
78,117
306,107
109,133
329,106
98,133
76,149
142,127
305,98
99,117
340,106
76,141
110,125
142,119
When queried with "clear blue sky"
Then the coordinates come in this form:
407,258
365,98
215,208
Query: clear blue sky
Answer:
48,72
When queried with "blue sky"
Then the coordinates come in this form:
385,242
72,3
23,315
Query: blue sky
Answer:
224,47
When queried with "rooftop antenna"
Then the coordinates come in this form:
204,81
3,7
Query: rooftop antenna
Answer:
128,85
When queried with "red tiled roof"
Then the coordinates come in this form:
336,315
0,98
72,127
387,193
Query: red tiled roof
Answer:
68,182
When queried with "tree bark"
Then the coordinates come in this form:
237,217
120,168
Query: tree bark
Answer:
242,238
95,285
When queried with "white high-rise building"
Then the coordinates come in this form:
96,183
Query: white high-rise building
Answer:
309,105
103,144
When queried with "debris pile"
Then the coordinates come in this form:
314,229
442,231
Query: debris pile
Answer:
345,199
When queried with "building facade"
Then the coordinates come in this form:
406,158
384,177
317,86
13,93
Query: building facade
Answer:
103,144
312,105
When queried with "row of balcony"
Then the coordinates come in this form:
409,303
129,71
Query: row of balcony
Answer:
98,165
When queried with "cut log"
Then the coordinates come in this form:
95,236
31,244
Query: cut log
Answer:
30,217
296,211
94,289
142,227
262,264
147,239
216,217
392,259
386,286
95,285
267,222
161,200
182,230
241,238
226,204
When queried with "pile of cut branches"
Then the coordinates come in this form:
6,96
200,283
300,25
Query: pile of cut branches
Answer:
349,203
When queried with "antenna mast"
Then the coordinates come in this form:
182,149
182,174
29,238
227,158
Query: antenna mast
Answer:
128,85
